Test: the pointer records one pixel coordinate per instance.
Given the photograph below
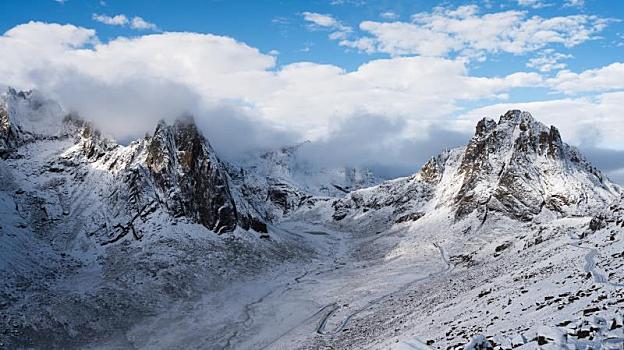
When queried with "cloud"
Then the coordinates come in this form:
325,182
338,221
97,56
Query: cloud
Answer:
389,15
607,78
548,60
306,98
574,3
610,161
380,144
465,32
242,100
536,4
122,20
319,21
617,176
139,23
118,20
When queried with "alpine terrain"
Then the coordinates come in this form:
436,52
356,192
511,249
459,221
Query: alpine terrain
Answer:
513,241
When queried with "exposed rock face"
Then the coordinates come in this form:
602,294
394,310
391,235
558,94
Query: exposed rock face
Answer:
518,166
433,170
175,170
189,176
8,134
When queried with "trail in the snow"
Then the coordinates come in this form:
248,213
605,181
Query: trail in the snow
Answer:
337,246
321,328
590,266
247,319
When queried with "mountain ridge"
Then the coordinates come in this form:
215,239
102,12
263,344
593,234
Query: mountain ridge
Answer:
98,236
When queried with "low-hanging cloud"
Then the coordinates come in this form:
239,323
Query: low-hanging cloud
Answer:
379,143
389,114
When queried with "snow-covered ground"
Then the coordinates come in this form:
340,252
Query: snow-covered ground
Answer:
514,241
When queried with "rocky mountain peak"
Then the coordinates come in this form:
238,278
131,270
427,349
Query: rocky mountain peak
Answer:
519,166
188,173
26,116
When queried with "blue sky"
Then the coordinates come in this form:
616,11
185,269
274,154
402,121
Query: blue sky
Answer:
278,25
316,69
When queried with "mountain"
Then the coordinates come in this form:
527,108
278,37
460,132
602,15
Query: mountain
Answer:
278,182
517,167
514,240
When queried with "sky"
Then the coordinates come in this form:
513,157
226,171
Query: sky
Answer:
383,84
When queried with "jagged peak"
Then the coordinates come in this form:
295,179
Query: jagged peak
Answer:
184,124
520,162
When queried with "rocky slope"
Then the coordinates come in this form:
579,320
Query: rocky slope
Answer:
514,240
516,167
278,182
79,210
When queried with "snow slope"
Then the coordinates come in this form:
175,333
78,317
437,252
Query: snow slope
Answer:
514,241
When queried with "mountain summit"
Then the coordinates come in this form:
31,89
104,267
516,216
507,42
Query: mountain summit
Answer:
516,167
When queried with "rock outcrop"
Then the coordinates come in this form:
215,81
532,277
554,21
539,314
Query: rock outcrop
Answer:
516,167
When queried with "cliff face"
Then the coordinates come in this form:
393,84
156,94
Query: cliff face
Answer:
189,177
516,167
175,171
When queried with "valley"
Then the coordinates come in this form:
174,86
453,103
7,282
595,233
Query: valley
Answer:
513,241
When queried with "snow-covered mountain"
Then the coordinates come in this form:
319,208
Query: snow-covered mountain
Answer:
278,182
516,167
514,240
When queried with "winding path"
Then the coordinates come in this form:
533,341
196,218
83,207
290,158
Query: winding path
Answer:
333,307
590,266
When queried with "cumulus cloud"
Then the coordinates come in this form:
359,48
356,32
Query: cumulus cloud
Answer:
607,78
139,23
574,3
536,4
548,60
243,101
122,20
118,20
305,97
466,32
318,21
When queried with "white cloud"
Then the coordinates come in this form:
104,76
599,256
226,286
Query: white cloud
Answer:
607,78
321,21
389,15
122,20
139,23
243,100
548,60
464,31
303,98
536,4
118,20
575,3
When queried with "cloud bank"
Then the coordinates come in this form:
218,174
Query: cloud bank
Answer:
391,113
